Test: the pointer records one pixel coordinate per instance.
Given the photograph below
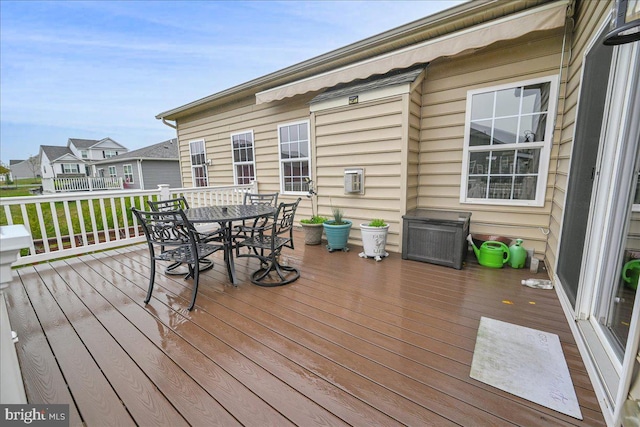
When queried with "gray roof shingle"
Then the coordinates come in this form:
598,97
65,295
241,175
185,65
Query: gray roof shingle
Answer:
167,150
83,143
54,152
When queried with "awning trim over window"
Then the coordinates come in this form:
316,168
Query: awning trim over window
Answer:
546,17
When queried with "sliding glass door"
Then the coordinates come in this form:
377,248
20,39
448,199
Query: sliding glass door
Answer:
586,146
614,300
610,264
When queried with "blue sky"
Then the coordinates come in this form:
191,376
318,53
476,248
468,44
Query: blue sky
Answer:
72,69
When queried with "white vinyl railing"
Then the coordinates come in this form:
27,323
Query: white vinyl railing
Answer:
68,224
63,185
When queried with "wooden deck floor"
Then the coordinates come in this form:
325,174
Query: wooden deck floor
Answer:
352,342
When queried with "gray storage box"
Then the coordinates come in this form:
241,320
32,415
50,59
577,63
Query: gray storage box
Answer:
438,237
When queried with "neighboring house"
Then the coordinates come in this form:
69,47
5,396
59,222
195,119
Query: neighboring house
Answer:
513,111
76,158
60,162
146,167
95,150
24,168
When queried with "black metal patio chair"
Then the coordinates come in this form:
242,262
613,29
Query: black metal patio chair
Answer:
208,232
243,231
267,241
171,237
260,199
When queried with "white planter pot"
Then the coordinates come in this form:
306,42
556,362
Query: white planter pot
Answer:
374,240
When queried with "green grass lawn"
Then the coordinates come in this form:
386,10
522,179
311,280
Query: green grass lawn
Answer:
19,187
59,213
14,192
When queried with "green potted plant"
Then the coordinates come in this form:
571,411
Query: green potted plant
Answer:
312,227
374,239
337,231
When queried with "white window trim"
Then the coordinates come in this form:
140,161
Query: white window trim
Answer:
74,166
115,172
124,173
203,165
281,161
545,146
253,150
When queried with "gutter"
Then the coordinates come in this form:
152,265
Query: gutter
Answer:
135,159
167,123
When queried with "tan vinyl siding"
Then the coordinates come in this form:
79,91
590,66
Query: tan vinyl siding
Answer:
442,132
590,16
216,127
413,149
372,136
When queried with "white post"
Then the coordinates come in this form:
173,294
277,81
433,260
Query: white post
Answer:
13,238
164,191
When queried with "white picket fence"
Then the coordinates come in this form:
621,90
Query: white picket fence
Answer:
68,224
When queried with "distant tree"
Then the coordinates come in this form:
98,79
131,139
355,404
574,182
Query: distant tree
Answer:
5,171
34,165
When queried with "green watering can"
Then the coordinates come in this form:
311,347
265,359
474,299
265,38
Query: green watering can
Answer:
491,254
518,255
631,273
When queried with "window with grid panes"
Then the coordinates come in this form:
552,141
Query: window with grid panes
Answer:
508,137
128,173
243,157
198,163
295,157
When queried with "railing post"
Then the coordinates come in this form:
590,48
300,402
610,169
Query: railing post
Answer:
14,238
90,184
164,191
48,185
254,186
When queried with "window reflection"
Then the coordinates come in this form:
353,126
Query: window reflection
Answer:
502,121
503,174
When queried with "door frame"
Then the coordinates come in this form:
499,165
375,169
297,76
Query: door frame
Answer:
610,376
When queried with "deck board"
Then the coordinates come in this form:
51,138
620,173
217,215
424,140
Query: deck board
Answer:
95,398
207,392
144,402
42,378
352,342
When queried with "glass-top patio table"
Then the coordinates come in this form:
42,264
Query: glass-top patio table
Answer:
225,215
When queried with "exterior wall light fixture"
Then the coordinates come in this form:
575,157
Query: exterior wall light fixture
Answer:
625,23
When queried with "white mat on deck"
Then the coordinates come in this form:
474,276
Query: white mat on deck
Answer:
525,362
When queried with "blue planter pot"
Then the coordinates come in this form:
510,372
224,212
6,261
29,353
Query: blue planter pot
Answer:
337,235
